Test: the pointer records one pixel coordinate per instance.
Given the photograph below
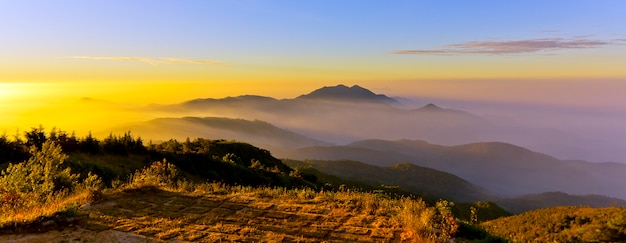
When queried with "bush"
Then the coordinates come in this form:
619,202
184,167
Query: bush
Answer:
159,174
40,180
41,175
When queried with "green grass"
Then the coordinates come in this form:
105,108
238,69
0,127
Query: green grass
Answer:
562,224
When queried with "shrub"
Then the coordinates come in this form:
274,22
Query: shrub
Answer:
40,176
159,174
41,186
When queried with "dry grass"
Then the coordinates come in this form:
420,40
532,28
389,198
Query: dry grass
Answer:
25,215
162,209
214,212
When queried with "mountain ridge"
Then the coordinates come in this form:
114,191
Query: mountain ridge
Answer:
345,93
259,132
412,178
505,169
529,202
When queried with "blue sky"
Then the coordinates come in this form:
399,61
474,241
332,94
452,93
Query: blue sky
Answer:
243,28
379,44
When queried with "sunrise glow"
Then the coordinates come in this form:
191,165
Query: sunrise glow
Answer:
144,52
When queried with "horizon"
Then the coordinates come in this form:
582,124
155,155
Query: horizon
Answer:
87,109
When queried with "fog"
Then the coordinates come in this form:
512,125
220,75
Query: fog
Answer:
592,132
588,133
585,128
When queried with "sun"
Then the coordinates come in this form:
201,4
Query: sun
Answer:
10,93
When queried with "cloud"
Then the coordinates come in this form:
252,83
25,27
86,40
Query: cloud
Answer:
152,61
549,31
510,47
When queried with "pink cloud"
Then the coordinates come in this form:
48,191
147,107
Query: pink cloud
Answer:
509,47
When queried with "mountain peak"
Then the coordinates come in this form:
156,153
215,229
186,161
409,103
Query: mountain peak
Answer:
343,92
430,107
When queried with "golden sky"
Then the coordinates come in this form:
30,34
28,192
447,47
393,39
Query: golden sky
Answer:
135,53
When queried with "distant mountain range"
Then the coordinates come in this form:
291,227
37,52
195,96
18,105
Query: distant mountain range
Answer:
435,184
313,127
342,114
505,169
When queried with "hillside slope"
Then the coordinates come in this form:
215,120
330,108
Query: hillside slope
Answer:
505,169
562,224
411,178
552,199
257,132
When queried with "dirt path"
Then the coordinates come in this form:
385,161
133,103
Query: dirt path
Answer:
152,215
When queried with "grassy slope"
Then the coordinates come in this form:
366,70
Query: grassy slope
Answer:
562,224
552,199
408,177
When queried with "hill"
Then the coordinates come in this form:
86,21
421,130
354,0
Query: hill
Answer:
171,200
562,224
552,199
260,133
422,181
502,168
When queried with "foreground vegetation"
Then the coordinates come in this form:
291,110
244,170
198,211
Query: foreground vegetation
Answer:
212,190
41,187
51,184
563,224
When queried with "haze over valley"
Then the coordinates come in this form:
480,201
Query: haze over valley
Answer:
354,123
505,155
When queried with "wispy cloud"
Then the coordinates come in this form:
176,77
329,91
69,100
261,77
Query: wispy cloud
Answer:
152,61
549,31
511,46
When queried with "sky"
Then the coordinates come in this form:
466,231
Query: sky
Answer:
552,53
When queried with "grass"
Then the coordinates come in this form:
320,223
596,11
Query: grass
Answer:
213,212
12,219
562,224
157,203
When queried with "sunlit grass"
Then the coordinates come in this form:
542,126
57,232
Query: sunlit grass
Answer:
65,205
156,202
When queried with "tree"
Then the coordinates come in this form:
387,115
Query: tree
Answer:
36,137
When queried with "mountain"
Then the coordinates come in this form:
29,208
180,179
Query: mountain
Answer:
502,168
345,93
409,177
342,114
430,107
552,199
257,132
